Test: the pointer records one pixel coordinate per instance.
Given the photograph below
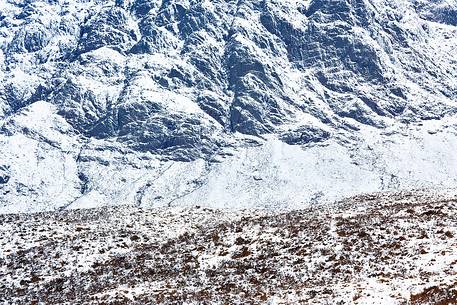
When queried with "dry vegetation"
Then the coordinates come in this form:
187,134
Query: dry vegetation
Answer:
376,249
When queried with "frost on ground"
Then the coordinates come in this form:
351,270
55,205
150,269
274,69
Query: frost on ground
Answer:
372,249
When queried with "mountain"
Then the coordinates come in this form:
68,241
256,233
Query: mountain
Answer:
380,249
246,103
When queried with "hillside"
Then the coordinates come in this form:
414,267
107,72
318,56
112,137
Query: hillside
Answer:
372,249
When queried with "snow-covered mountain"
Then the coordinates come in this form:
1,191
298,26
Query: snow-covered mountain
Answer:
246,103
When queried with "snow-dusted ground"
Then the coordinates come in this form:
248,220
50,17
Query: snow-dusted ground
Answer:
397,248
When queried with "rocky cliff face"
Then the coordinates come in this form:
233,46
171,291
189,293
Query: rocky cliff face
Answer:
173,102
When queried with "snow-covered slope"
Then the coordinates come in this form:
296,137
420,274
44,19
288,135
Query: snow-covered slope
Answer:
379,249
259,103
